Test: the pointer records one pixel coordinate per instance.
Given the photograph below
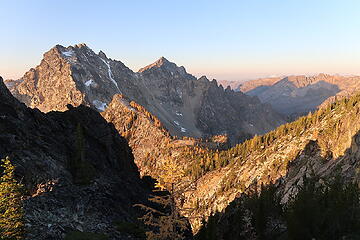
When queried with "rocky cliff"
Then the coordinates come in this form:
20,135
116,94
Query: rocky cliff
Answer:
186,106
79,173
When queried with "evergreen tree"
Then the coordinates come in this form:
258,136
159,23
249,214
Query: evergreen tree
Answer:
11,208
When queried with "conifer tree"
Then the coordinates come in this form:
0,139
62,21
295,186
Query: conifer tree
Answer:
11,208
168,222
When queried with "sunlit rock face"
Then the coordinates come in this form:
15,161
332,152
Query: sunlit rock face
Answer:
185,105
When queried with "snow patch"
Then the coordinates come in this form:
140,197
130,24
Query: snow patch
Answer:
179,93
110,74
183,129
177,123
100,105
178,113
69,53
89,82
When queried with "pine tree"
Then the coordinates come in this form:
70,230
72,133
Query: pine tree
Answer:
11,208
168,222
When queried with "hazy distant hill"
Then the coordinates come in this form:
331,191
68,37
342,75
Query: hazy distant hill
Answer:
297,95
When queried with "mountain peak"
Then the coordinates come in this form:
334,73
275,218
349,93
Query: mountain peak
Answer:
162,61
102,54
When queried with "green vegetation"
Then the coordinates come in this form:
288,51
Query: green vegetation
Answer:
11,207
205,160
327,211
76,235
331,211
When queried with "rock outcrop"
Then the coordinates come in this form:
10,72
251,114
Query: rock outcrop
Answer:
79,173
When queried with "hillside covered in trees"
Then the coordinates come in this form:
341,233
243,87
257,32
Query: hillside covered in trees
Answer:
321,144
314,144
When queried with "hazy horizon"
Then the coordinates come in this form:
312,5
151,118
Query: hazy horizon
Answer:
231,40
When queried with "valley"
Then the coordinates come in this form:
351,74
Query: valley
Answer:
226,143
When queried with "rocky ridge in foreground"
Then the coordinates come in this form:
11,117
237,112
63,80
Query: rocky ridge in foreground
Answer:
79,173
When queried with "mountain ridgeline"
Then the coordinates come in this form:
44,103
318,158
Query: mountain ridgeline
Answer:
186,106
295,96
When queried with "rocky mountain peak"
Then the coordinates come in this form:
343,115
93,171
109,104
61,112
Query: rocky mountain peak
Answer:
162,64
161,61
77,75
203,79
81,45
102,55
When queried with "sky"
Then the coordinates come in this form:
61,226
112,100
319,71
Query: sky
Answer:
226,40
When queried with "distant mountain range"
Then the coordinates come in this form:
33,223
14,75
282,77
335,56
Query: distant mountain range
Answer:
297,95
186,106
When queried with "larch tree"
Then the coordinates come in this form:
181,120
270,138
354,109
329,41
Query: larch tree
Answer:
11,207
168,222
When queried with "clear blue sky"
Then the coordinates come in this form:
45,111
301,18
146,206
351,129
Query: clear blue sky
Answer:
231,40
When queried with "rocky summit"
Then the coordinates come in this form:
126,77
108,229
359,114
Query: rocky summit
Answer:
186,106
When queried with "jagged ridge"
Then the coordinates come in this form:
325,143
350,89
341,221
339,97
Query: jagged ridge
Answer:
67,191
186,106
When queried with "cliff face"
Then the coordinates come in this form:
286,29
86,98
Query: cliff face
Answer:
243,116
78,171
186,106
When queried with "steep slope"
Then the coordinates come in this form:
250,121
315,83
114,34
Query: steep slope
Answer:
152,144
78,171
284,153
149,140
297,95
183,104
